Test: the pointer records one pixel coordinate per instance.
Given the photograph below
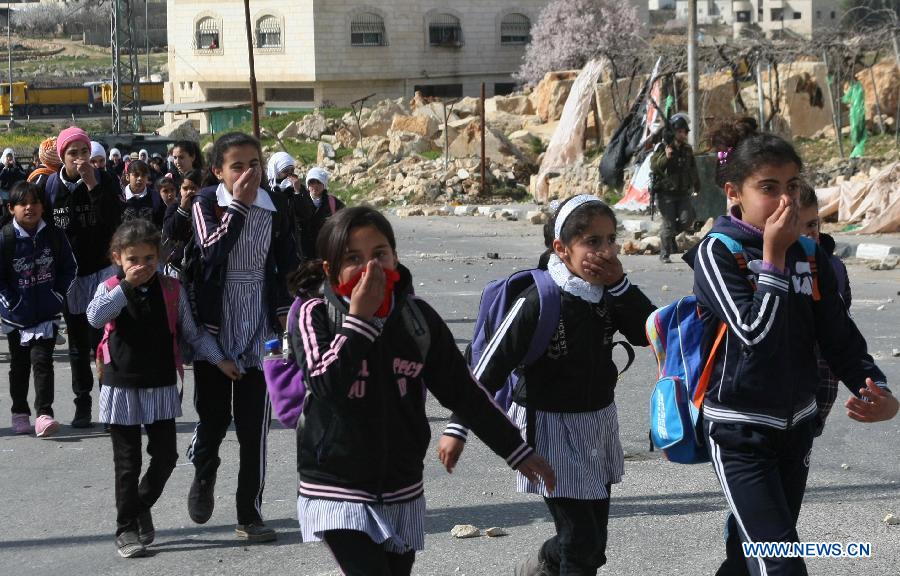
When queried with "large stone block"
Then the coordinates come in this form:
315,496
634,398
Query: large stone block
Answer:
550,95
425,126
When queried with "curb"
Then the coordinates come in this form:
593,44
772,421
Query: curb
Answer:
866,250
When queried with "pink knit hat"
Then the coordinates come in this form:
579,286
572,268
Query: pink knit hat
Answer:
70,135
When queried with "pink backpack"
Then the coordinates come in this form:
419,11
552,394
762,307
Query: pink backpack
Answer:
171,293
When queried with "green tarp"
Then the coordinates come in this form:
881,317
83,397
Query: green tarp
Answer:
855,98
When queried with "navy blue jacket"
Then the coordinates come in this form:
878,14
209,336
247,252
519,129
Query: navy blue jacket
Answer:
33,286
216,231
766,370
89,217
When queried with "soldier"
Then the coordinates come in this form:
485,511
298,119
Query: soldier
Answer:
675,178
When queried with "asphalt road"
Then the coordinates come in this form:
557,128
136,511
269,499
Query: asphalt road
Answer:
57,502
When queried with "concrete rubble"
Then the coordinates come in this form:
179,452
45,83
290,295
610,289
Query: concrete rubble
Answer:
424,151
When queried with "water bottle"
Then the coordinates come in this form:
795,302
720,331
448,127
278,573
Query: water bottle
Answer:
273,348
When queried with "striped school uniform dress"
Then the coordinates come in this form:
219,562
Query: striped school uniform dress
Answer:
245,318
137,406
398,527
583,448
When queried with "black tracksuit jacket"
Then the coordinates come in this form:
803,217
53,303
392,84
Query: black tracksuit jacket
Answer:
766,369
365,432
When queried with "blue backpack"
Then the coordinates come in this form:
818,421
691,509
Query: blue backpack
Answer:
497,299
675,333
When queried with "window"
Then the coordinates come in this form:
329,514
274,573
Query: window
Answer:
440,90
268,32
798,15
742,16
833,14
515,29
777,14
504,88
208,34
367,29
444,30
290,95
818,14
228,94
713,9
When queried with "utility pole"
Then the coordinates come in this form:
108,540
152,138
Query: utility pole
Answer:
9,53
147,34
124,70
116,104
254,103
693,75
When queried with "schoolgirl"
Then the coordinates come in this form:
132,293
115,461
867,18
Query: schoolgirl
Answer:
246,249
186,156
87,204
312,206
35,274
145,315
760,408
370,353
565,400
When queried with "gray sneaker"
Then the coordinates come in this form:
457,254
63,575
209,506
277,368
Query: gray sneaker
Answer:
255,532
533,566
128,545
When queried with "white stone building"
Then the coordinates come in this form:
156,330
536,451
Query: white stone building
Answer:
329,52
773,17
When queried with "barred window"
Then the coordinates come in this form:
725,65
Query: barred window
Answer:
208,34
268,32
367,29
445,30
515,29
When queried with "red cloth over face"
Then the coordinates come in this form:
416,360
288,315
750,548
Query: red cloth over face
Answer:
391,277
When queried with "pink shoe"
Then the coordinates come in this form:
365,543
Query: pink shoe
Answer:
21,424
45,426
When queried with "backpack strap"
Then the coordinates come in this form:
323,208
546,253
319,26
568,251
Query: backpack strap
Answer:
103,348
294,314
332,204
548,317
171,293
809,248
9,244
736,248
417,326
703,383
629,350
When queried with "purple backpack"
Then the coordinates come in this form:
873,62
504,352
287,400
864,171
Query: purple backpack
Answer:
284,377
497,299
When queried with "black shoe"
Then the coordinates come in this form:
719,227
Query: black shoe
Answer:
146,531
533,566
128,545
201,499
255,532
665,259
82,418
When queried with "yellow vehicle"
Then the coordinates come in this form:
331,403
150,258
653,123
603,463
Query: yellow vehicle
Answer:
57,100
30,101
18,96
150,93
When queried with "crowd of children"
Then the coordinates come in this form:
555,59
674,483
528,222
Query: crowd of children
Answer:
138,250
